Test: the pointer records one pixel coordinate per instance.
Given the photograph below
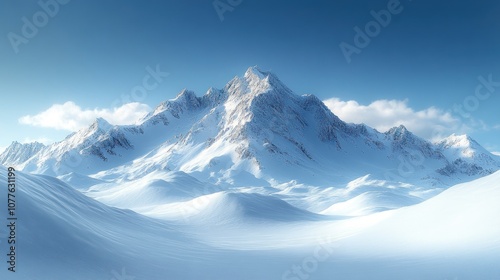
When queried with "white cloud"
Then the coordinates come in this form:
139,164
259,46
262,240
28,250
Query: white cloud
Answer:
431,123
496,153
71,117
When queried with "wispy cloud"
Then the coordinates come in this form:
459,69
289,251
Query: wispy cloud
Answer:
430,123
69,116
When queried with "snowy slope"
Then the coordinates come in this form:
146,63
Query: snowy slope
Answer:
18,153
63,234
454,234
153,189
467,156
66,235
462,217
79,181
371,202
233,208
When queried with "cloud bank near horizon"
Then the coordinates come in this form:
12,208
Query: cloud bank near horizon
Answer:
71,117
431,123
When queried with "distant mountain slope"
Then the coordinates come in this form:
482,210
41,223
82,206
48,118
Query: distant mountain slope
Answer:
466,156
18,153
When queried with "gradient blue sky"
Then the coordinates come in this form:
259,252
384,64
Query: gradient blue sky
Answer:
91,52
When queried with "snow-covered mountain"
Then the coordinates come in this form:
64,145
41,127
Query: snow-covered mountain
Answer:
18,153
92,146
256,127
466,156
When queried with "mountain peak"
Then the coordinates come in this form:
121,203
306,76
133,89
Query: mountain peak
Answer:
185,94
467,154
256,82
14,143
187,98
399,132
458,140
101,124
401,128
254,72
214,96
463,142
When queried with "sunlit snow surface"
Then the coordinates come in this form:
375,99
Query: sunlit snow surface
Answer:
63,234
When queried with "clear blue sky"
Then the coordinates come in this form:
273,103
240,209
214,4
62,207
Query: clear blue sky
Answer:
92,52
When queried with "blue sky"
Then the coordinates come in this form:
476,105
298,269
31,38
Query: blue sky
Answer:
86,56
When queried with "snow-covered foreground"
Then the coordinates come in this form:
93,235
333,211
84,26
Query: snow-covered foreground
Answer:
245,234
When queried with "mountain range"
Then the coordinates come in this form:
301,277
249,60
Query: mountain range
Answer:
254,125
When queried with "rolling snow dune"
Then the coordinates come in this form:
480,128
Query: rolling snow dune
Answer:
66,234
63,234
154,189
224,207
237,208
454,235
79,181
370,202
462,219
